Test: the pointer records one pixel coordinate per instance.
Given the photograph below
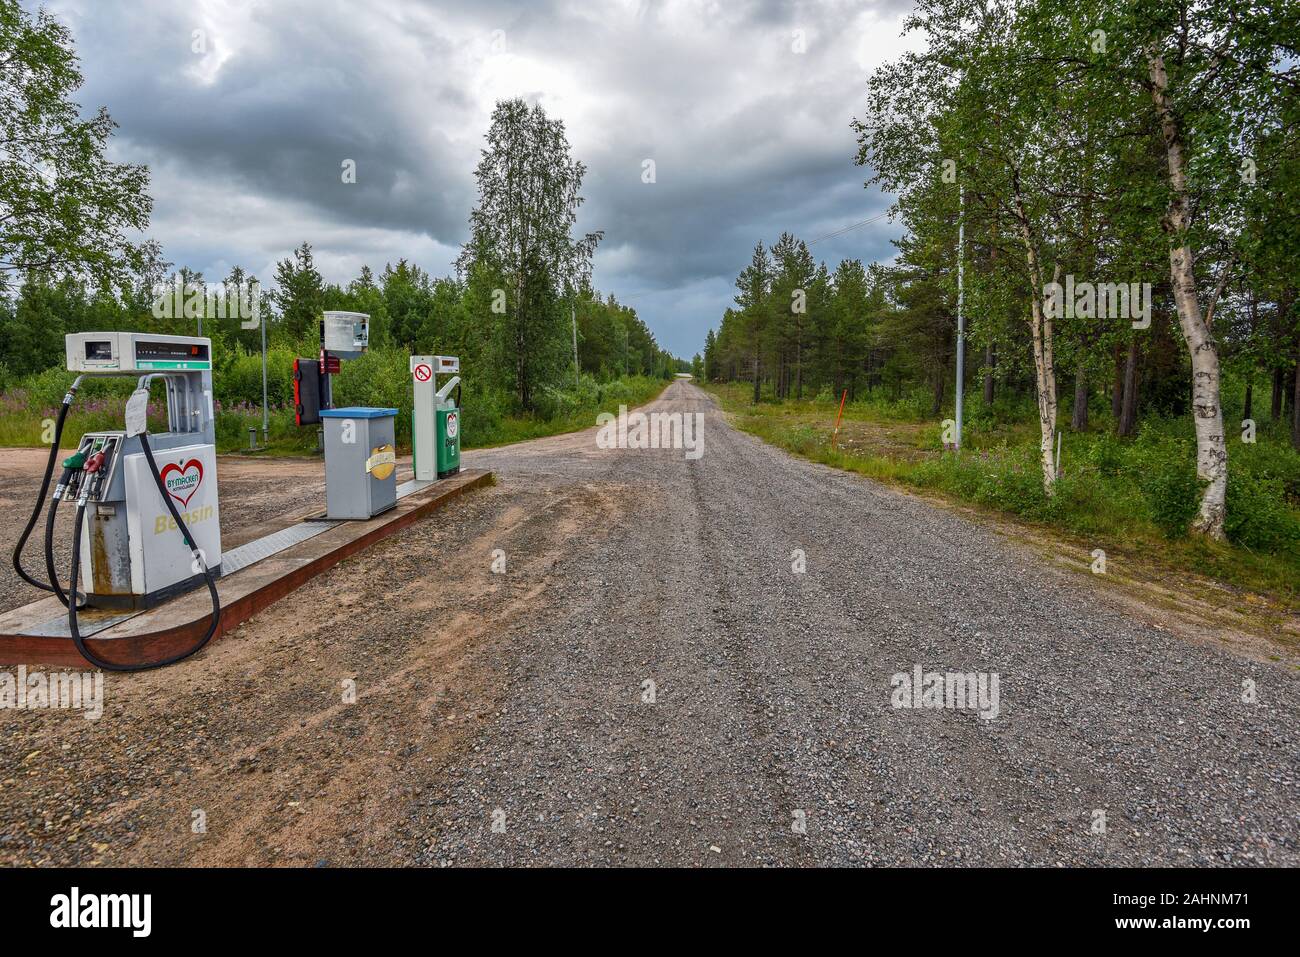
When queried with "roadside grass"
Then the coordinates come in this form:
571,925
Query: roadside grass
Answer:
572,412
27,416
1132,498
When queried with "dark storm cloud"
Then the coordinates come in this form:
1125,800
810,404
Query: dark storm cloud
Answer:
743,108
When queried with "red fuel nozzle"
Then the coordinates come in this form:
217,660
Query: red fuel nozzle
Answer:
95,462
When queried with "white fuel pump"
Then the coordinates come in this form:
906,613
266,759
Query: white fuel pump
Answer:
133,546
434,453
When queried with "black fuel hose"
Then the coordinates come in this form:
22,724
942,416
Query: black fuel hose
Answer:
198,558
49,542
40,499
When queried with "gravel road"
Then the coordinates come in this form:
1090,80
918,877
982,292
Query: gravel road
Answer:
504,718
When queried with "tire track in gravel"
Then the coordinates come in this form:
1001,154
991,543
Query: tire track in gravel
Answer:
949,739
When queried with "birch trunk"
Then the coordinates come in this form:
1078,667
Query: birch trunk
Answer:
1040,323
1211,443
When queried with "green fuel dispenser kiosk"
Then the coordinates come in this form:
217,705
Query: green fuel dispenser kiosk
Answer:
448,440
435,426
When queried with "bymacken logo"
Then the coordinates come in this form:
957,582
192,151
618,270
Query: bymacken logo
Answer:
103,910
184,483
657,430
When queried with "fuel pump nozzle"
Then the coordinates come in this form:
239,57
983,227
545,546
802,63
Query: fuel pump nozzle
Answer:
94,472
69,482
72,466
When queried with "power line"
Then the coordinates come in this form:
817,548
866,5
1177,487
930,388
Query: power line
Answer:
850,228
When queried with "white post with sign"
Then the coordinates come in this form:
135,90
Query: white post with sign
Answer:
424,420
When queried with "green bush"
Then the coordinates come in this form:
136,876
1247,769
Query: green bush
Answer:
618,392
1269,460
237,377
1006,410
1016,487
555,402
1105,452
805,440
1258,516
1164,468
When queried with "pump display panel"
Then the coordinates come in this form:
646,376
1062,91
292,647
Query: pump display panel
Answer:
172,355
137,352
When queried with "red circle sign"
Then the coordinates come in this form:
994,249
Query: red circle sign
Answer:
423,372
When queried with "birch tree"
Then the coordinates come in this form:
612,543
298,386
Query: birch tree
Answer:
1210,73
523,230
975,112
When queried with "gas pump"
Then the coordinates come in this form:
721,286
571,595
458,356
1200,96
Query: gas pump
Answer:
435,422
343,335
133,546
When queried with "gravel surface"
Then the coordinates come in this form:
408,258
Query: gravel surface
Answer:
502,718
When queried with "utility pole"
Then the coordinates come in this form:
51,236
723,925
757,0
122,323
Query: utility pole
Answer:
265,415
961,322
577,374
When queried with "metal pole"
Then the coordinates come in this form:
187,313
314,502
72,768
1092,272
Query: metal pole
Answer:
265,415
961,322
838,415
577,375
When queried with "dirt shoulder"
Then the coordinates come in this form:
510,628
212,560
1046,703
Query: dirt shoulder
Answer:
303,736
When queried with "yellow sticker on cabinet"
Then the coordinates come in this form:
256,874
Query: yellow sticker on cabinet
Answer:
382,461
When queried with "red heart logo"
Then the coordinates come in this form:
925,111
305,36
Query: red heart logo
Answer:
183,479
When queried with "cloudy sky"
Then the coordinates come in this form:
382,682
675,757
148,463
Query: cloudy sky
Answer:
245,125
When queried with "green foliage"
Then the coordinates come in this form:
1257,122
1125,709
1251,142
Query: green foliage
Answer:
237,376
300,294
65,208
1258,516
1165,470
408,311
1032,128
522,237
